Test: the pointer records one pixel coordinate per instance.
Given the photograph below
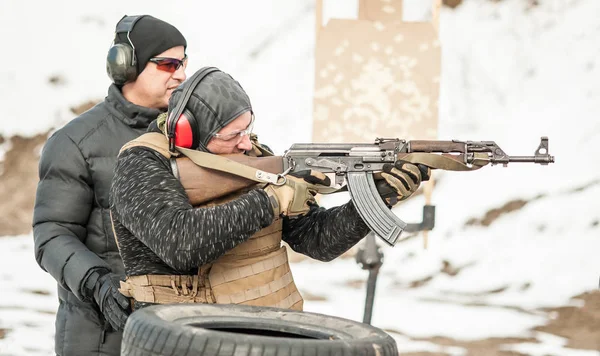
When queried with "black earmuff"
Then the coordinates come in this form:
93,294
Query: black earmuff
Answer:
181,124
121,61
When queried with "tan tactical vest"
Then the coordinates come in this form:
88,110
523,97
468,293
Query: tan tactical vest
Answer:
255,272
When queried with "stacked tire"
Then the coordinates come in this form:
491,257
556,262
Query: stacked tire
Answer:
237,330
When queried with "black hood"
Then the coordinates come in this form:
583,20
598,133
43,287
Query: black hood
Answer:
216,101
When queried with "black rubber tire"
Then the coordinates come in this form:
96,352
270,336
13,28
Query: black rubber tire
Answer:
237,330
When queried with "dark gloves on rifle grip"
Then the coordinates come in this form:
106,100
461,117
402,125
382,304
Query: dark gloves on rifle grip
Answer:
401,180
114,306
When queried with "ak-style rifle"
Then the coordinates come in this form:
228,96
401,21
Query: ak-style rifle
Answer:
352,163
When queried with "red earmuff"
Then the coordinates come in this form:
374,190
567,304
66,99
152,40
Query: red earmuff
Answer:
184,130
181,127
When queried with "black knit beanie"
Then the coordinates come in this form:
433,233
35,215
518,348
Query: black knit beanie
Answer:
150,37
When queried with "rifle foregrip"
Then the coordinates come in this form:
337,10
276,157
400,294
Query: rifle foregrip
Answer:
371,208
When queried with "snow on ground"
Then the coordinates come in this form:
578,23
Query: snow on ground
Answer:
28,301
524,261
510,74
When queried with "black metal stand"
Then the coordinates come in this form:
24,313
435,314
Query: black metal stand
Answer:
370,257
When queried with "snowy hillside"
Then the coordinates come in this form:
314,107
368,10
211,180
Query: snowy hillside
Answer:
522,278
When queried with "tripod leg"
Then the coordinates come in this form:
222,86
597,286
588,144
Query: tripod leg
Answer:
370,299
371,259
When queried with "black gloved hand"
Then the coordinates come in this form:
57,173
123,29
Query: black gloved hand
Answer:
114,306
401,180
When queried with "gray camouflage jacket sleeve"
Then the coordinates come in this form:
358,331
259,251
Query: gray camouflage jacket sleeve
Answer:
152,204
325,234
64,199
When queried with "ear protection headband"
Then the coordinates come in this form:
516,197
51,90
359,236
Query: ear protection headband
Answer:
181,124
121,61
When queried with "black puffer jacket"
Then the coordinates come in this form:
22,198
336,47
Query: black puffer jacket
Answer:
71,221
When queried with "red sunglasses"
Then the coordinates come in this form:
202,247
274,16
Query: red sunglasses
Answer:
166,64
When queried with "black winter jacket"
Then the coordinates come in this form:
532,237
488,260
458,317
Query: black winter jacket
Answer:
71,222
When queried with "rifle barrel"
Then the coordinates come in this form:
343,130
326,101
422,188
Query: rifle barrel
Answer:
541,159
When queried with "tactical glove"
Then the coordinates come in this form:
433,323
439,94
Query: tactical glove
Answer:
113,305
292,198
401,180
313,177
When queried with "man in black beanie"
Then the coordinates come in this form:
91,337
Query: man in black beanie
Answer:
160,62
72,231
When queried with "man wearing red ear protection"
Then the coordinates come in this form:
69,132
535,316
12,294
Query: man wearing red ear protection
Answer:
227,250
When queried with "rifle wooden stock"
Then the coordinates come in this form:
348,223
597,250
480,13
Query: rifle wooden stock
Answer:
204,184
